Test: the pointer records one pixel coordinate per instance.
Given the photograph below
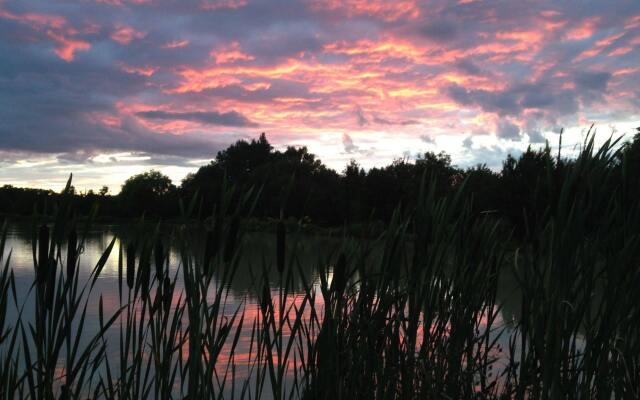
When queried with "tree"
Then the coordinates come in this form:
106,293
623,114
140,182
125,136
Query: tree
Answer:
103,191
148,192
630,153
255,164
242,158
206,183
436,168
629,163
352,182
527,186
484,185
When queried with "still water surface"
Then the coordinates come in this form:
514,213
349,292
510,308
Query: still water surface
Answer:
257,250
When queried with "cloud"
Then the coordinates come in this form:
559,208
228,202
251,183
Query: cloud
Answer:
468,66
213,5
361,118
80,78
492,156
551,101
535,136
428,139
507,130
70,139
440,30
53,27
501,102
596,81
49,113
347,143
385,121
126,34
175,44
66,48
230,118
375,9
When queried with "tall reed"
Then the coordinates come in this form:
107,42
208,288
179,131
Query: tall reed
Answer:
412,313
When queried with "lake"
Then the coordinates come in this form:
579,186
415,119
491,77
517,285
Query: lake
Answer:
312,254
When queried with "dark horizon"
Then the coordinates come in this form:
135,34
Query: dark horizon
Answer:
108,88
568,152
322,197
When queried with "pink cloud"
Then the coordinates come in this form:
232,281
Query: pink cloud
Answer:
333,66
36,21
126,34
175,44
382,9
56,28
230,54
620,51
52,21
212,5
66,47
599,46
583,31
626,71
120,3
144,71
632,22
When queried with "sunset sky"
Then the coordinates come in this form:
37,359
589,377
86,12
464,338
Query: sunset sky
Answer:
109,88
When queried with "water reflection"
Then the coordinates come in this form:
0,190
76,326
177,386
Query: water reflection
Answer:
307,255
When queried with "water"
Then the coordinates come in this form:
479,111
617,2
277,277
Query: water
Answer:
258,249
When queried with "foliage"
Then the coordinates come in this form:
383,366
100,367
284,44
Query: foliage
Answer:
148,192
518,193
411,314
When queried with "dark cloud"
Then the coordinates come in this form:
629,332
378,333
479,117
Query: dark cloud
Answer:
276,89
440,30
501,102
50,106
386,121
507,130
76,157
347,143
491,156
428,139
553,101
71,139
535,136
596,81
230,118
361,118
468,66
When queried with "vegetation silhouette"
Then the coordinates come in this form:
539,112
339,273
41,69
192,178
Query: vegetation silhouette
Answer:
420,319
518,193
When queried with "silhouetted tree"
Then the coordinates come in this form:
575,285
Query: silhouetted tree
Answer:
524,193
206,183
525,187
630,154
484,185
352,187
150,193
241,159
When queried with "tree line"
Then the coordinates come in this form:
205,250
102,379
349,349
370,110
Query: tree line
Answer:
294,183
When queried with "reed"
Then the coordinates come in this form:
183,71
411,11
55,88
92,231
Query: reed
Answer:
412,313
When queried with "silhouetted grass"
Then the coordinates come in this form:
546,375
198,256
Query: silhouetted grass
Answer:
411,314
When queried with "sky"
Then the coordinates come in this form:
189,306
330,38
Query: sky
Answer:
110,88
